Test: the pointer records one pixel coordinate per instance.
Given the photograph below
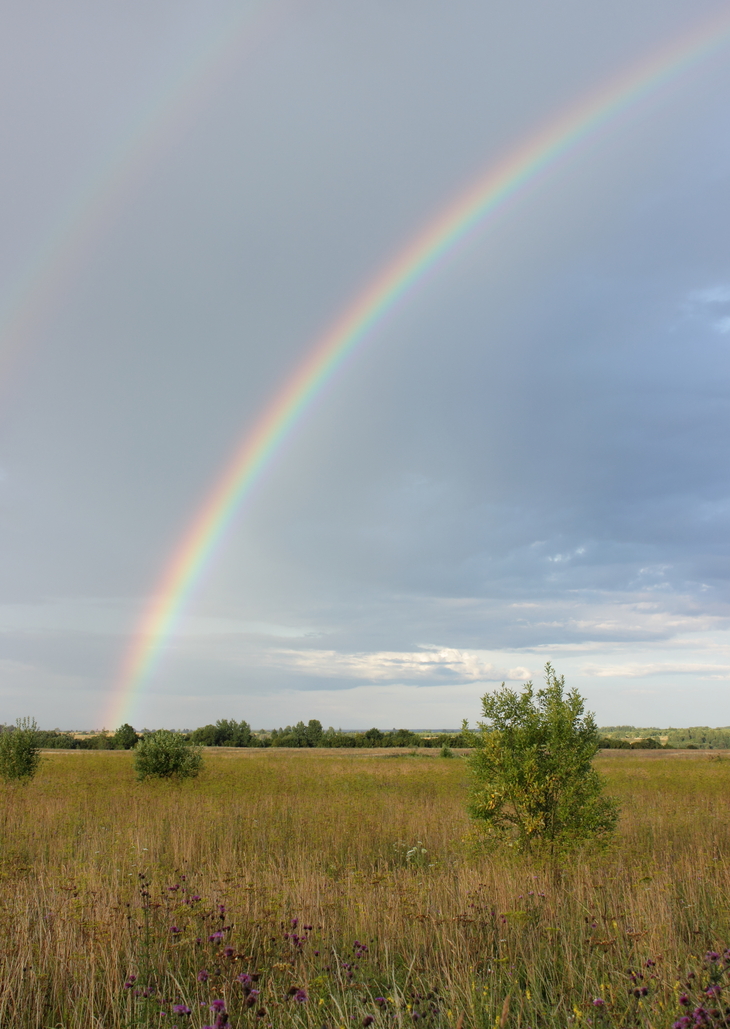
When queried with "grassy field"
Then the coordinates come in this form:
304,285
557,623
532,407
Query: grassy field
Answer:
330,888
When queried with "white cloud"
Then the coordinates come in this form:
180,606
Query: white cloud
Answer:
427,664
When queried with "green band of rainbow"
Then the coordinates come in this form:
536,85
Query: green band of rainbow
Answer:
390,285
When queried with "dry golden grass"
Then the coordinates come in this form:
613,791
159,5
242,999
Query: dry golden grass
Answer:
363,846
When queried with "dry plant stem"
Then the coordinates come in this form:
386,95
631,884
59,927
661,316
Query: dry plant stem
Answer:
365,848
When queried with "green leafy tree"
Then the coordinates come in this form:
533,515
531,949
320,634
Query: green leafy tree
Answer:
533,782
19,751
314,733
165,755
125,737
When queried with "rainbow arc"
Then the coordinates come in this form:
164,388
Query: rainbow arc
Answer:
461,218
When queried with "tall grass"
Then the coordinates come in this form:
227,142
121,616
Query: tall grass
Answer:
374,852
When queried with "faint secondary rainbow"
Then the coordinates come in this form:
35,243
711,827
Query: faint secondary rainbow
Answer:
391,284
86,216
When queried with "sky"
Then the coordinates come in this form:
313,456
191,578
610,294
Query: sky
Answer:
526,460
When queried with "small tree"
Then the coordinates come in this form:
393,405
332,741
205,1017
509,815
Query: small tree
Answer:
165,755
19,751
533,779
125,737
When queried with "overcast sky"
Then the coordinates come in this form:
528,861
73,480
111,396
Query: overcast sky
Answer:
527,461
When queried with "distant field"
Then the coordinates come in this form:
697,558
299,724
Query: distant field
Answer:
375,852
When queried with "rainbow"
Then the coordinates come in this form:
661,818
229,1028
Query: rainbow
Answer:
390,286
86,215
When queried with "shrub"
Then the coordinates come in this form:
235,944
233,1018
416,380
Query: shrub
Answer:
533,781
125,738
165,754
19,751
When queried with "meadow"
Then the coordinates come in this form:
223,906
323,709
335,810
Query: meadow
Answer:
333,888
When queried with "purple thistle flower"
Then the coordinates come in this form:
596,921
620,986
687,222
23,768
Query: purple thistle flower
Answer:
202,976
174,930
713,990
682,1023
217,1005
214,937
181,1009
380,1001
229,952
599,1002
712,956
301,997
244,979
684,1000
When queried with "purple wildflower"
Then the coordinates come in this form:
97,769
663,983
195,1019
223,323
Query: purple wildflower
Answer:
180,1009
712,956
217,1005
599,1002
301,997
174,930
368,1020
684,1000
202,976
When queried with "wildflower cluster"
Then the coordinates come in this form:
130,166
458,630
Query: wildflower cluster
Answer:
703,999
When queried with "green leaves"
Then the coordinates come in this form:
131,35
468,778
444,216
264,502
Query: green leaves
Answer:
165,754
533,782
19,751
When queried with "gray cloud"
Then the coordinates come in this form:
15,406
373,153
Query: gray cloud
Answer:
525,461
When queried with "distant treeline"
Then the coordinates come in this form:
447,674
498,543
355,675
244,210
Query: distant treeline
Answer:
229,733
700,737
312,734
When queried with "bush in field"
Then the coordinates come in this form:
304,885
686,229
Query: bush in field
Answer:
533,779
125,737
165,755
19,751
